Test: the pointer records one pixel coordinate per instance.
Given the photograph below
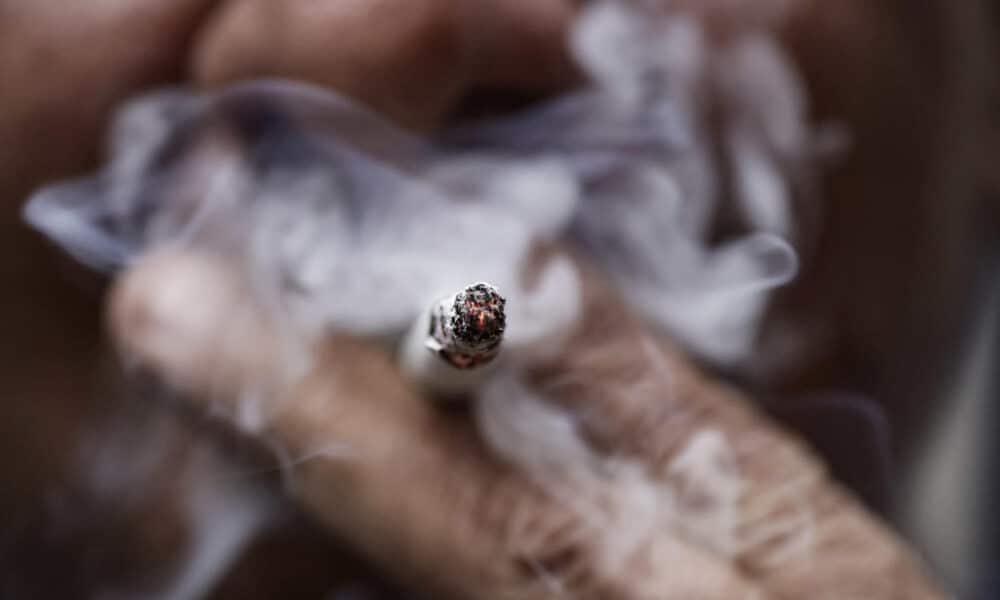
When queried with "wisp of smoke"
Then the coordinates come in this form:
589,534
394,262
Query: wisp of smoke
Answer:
346,222
676,171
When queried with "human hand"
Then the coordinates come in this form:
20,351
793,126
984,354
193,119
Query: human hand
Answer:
420,112
416,489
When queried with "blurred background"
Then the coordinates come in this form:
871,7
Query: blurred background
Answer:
900,293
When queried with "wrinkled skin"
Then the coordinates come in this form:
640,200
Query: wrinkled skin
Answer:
63,70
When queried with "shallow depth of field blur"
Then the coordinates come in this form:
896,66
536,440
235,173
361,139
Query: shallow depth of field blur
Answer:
882,350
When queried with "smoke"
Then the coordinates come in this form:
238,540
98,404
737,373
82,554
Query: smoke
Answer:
346,223
629,511
142,513
678,171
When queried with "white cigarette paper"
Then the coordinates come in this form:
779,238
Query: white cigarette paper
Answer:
452,345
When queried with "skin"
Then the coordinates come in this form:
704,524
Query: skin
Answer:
419,489
63,73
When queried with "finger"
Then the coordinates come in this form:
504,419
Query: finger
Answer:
411,60
64,67
169,312
422,491
519,43
417,491
792,529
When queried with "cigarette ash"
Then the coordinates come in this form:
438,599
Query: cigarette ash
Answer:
466,330
477,318
680,171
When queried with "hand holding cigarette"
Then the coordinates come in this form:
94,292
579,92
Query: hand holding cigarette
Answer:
398,506
420,495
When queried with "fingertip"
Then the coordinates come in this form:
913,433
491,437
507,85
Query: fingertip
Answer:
188,319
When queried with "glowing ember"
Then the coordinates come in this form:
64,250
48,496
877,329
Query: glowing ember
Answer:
466,330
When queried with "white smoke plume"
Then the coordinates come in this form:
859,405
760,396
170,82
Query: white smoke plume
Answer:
676,171
348,223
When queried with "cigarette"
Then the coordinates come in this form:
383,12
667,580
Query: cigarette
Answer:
450,346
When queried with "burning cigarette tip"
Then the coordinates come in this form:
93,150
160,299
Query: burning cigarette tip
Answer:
478,315
466,329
